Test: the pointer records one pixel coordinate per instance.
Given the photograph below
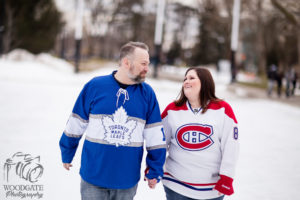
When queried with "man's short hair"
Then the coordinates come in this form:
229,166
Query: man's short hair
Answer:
129,48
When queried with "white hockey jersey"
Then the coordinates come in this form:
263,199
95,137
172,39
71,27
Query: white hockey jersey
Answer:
200,148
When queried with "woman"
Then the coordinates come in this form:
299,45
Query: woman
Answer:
202,137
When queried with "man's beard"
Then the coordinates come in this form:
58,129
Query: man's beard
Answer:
136,78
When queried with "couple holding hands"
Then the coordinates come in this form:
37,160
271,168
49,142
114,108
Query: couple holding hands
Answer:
118,112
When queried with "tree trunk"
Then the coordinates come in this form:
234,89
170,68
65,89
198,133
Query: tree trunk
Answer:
261,58
8,30
298,47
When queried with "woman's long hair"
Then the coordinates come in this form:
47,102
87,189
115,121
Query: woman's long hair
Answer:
207,91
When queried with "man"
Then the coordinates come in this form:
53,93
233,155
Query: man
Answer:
117,112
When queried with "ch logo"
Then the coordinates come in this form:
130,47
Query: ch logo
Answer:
23,165
194,137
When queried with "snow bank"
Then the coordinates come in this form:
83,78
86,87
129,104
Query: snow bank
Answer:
57,63
21,55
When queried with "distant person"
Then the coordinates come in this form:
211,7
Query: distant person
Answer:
294,81
117,112
271,78
279,77
202,138
289,75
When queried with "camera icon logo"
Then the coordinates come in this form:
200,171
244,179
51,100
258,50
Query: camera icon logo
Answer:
24,166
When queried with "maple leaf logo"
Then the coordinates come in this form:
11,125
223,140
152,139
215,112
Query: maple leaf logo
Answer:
118,128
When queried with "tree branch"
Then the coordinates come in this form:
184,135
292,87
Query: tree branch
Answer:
290,17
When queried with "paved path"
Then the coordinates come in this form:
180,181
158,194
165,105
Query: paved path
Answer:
252,92
241,91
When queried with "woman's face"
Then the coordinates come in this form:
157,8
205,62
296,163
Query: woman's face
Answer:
191,85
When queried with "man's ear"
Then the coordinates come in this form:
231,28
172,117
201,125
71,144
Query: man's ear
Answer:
125,62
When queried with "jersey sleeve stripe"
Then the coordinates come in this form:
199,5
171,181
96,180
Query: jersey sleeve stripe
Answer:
163,146
80,118
72,135
76,125
153,125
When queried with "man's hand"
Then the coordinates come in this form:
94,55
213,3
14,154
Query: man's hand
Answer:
152,183
67,166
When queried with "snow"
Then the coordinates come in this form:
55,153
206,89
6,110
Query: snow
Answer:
37,96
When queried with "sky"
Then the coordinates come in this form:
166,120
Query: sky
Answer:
38,94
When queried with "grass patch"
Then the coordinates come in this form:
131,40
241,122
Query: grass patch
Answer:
262,84
92,64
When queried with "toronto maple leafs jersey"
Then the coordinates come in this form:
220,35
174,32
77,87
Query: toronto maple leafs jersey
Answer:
200,148
116,122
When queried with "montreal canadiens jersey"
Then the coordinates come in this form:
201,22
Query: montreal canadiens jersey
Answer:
200,148
116,122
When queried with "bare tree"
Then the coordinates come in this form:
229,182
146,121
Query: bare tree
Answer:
260,45
9,28
119,21
214,33
291,10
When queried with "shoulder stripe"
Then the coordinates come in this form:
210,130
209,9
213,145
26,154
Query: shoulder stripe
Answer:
173,107
226,106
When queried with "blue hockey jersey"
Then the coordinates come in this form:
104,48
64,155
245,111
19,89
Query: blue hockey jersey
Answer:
116,122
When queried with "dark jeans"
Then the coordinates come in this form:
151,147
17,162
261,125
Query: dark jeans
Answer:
171,195
93,192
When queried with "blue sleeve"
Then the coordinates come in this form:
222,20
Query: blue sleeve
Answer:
153,115
76,125
83,102
155,139
155,160
68,146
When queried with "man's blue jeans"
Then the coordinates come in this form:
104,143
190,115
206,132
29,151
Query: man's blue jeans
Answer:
171,195
92,192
